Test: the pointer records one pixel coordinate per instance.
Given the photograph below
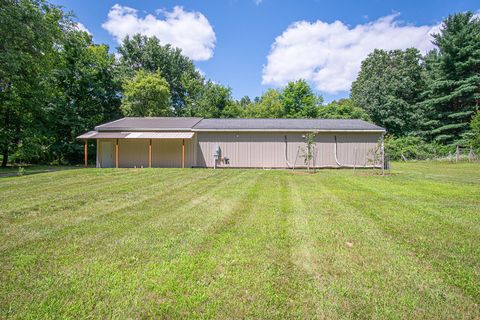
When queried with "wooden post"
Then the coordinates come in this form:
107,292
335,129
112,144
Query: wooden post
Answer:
150,154
116,153
457,154
183,153
85,151
383,156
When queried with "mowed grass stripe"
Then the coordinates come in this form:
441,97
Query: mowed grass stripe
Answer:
108,250
376,276
88,185
80,209
433,233
169,243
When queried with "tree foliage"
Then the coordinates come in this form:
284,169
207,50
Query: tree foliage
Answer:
147,53
85,95
389,87
343,109
453,79
29,33
300,101
146,95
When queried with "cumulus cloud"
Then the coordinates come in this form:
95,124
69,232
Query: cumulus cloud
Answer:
329,54
81,27
189,31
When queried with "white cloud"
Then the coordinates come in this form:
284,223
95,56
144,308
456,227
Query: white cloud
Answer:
81,27
329,54
257,2
189,31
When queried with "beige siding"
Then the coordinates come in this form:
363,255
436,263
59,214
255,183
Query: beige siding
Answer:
167,153
133,153
267,150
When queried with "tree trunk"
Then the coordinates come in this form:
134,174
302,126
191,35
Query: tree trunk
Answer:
5,156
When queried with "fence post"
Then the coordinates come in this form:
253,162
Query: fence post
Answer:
470,154
457,154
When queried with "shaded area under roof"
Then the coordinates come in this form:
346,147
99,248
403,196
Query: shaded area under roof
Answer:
149,124
286,124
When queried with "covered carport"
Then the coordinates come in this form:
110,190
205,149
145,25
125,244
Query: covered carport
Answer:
142,149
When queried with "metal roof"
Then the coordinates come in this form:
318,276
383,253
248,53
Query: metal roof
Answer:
160,135
149,128
286,125
136,135
103,135
150,124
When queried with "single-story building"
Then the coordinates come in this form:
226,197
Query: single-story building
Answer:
234,143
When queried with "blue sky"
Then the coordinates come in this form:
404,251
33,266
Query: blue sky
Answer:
251,45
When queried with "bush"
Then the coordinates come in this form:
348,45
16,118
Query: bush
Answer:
414,148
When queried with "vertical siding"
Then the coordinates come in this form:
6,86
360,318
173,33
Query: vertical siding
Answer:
133,153
267,150
167,153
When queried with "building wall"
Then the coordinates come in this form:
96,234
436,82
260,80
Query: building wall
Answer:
244,150
269,150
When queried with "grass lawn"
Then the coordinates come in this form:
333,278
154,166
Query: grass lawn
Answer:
171,243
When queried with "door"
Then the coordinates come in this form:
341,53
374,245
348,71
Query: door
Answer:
106,153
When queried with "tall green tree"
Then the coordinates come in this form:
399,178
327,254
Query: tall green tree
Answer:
270,105
29,33
86,94
343,109
208,99
389,87
300,101
453,79
146,95
147,53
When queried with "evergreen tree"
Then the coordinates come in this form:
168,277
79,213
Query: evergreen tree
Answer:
453,79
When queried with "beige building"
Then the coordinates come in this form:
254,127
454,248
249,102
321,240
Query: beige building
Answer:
235,143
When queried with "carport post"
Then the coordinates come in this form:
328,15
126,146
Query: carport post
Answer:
150,153
85,152
383,155
183,153
116,153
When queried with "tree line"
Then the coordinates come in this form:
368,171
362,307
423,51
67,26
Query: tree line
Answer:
56,83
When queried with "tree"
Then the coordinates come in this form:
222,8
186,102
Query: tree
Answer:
473,136
146,95
30,31
85,95
270,105
388,87
300,101
343,109
147,53
208,99
453,79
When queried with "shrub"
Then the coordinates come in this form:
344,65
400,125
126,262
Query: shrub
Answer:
414,148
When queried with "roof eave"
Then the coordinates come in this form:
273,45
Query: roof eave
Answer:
290,130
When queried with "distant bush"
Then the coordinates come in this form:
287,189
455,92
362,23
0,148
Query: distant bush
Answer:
414,148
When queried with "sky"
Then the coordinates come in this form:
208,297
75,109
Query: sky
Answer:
253,45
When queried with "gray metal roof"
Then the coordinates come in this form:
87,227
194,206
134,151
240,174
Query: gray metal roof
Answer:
149,124
285,125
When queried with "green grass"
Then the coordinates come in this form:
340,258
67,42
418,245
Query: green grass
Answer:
172,243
